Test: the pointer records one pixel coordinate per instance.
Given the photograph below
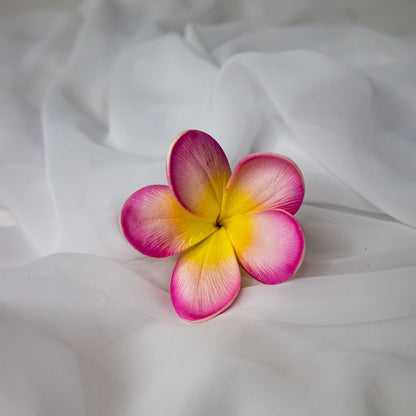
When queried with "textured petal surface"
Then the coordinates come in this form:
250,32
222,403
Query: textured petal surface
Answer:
155,224
263,181
269,244
198,172
206,279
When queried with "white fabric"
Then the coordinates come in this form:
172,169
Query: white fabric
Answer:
90,98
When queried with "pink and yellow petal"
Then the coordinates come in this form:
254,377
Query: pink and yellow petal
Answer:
206,279
263,181
269,244
198,171
155,224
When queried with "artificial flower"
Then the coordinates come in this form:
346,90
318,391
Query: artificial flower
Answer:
218,220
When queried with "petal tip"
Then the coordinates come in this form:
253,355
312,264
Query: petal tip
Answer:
193,318
174,143
295,264
130,223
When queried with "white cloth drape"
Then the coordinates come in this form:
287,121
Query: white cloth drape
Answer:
90,98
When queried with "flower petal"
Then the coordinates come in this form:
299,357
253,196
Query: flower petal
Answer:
263,181
155,224
269,244
206,279
198,171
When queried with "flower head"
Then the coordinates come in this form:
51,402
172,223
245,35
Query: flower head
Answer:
218,221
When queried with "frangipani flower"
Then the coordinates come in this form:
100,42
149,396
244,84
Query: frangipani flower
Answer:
218,221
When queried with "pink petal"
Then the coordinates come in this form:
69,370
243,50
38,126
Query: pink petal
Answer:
198,171
269,244
155,224
206,279
263,181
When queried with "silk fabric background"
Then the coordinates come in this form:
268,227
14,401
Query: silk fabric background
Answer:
91,95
